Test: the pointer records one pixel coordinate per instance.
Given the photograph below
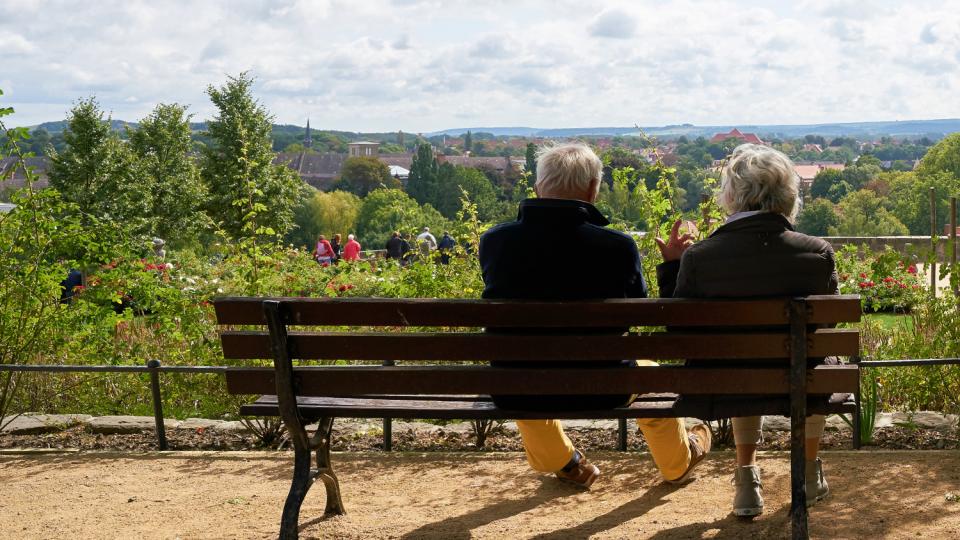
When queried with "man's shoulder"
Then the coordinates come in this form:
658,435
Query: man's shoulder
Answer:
619,238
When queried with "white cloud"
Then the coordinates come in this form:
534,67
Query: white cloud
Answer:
421,66
613,23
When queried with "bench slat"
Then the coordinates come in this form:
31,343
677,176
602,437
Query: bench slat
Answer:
478,346
824,309
315,407
364,380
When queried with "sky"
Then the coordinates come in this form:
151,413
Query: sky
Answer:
422,66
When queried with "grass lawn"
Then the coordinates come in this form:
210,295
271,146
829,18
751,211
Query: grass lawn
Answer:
890,320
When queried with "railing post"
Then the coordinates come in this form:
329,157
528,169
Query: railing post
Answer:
798,418
154,367
622,434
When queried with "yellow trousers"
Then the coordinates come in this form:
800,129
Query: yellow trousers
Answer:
549,450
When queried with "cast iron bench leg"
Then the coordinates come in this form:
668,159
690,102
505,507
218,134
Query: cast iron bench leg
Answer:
298,490
324,471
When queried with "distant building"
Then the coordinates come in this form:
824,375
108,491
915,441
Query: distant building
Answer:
318,170
812,148
6,207
363,149
18,179
404,160
500,164
736,134
307,141
808,171
399,172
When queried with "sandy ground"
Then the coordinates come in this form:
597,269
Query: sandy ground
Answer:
898,494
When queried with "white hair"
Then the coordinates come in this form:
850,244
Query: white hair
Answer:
350,237
568,168
759,178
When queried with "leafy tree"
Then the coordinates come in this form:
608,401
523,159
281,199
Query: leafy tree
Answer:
862,213
386,210
39,141
424,180
249,195
817,218
943,157
468,142
455,181
361,175
909,198
860,174
99,172
531,165
823,181
323,213
162,145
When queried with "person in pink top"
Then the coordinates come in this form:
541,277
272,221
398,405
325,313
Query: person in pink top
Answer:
323,253
351,250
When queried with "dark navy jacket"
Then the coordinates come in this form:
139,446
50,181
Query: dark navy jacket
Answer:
560,249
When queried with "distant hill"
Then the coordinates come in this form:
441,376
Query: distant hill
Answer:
860,130
905,128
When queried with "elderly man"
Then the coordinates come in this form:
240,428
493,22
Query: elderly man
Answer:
541,256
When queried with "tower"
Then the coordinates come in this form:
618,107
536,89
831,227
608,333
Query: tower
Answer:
307,141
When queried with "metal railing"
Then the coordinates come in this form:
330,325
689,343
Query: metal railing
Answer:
152,367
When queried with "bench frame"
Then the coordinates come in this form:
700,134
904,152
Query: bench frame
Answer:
296,418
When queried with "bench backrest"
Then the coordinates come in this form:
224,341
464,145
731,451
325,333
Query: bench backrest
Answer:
389,330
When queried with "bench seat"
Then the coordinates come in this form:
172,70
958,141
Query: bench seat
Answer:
480,407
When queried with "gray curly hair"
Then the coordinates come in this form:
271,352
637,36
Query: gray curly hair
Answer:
759,178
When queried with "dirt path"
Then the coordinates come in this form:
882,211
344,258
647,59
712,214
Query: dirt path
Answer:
456,496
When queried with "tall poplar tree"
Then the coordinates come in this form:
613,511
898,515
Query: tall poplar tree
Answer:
423,184
162,145
98,171
249,195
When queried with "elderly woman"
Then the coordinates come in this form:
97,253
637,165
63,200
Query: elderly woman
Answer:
755,252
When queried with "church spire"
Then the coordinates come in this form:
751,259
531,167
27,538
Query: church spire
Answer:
307,141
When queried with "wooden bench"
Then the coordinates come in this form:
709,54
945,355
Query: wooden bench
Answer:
406,330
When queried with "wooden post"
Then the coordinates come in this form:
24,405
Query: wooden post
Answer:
954,278
933,242
798,418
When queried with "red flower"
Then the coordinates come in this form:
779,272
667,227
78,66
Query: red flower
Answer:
324,265
349,287
342,288
863,275
78,289
912,269
862,284
903,285
887,279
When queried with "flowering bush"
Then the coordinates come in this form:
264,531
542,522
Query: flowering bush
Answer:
886,281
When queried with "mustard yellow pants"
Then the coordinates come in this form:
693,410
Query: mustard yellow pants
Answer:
549,450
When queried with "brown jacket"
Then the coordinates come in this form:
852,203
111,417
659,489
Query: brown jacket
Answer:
755,256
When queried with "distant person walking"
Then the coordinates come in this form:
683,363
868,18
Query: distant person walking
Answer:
351,251
337,246
395,246
426,242
446,246
323,253
404,250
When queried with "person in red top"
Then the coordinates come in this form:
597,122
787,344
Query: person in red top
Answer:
323,253
351,250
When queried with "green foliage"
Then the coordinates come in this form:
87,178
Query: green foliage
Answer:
862,213
162,146
869,405
99,172
457,180
424,181
885,281
531,160
943,157
238,166
817,218
326,213
824,181
386,210
361,175
909,198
